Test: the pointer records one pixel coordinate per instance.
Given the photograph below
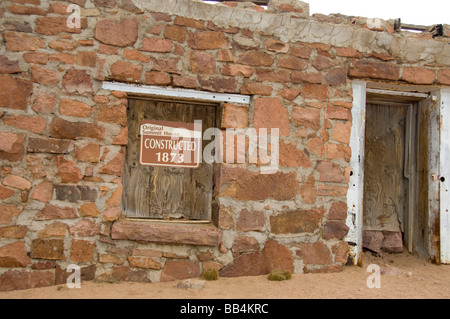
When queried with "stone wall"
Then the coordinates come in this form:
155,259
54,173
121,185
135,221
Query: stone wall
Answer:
63,138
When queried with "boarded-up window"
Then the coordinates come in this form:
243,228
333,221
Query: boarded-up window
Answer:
166,192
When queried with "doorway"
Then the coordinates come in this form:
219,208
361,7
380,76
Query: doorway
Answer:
407,176
390,176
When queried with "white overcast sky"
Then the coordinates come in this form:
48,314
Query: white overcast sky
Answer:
422,12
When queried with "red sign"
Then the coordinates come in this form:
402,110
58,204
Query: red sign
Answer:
172,144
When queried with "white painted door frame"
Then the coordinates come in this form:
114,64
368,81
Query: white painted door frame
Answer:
356,184
444,170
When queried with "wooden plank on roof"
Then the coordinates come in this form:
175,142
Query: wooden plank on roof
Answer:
258,2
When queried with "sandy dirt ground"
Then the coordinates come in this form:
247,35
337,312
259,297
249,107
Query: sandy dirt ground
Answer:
403,276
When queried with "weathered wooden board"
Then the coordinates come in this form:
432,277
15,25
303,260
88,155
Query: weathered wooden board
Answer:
258,2
355,188
384,184
434,199
166,192
445,176
421,221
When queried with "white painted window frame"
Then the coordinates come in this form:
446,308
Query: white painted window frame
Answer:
175,93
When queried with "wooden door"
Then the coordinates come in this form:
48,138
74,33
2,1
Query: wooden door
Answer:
166,192
385,187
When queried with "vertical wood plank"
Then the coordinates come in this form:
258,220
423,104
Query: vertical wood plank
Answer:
136,179
384,186
424,154
432,230
410,220
355,189
445,176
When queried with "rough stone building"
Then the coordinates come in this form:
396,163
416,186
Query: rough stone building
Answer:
72,98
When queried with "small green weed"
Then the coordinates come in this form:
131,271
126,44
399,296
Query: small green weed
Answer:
279,275
211,274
